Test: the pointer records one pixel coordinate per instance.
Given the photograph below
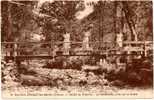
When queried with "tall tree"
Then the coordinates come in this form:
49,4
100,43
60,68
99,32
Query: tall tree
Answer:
62,18
138,17
15,16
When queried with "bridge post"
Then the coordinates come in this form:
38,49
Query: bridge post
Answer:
15,46
55,49
51,50
8,53
145,51
15,50
129,57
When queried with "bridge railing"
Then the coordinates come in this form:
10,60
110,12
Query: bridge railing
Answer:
39,48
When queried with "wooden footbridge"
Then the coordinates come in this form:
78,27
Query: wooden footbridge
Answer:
33,50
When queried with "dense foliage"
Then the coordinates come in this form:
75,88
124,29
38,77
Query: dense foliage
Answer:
107,19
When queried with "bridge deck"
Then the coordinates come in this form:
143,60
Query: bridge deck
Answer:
51,57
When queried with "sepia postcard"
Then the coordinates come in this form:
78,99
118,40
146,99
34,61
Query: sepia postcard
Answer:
76,49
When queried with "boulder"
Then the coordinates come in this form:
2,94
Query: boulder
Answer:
31,80
118,83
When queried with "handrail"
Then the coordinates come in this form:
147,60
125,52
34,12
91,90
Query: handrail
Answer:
73,42
51,50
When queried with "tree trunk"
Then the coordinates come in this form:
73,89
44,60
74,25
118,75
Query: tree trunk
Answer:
115,17
130,22
9,22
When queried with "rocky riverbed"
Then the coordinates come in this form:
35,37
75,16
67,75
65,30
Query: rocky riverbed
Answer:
62,82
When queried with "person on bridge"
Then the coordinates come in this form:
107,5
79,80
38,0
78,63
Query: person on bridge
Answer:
66,44
86,41
119,39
